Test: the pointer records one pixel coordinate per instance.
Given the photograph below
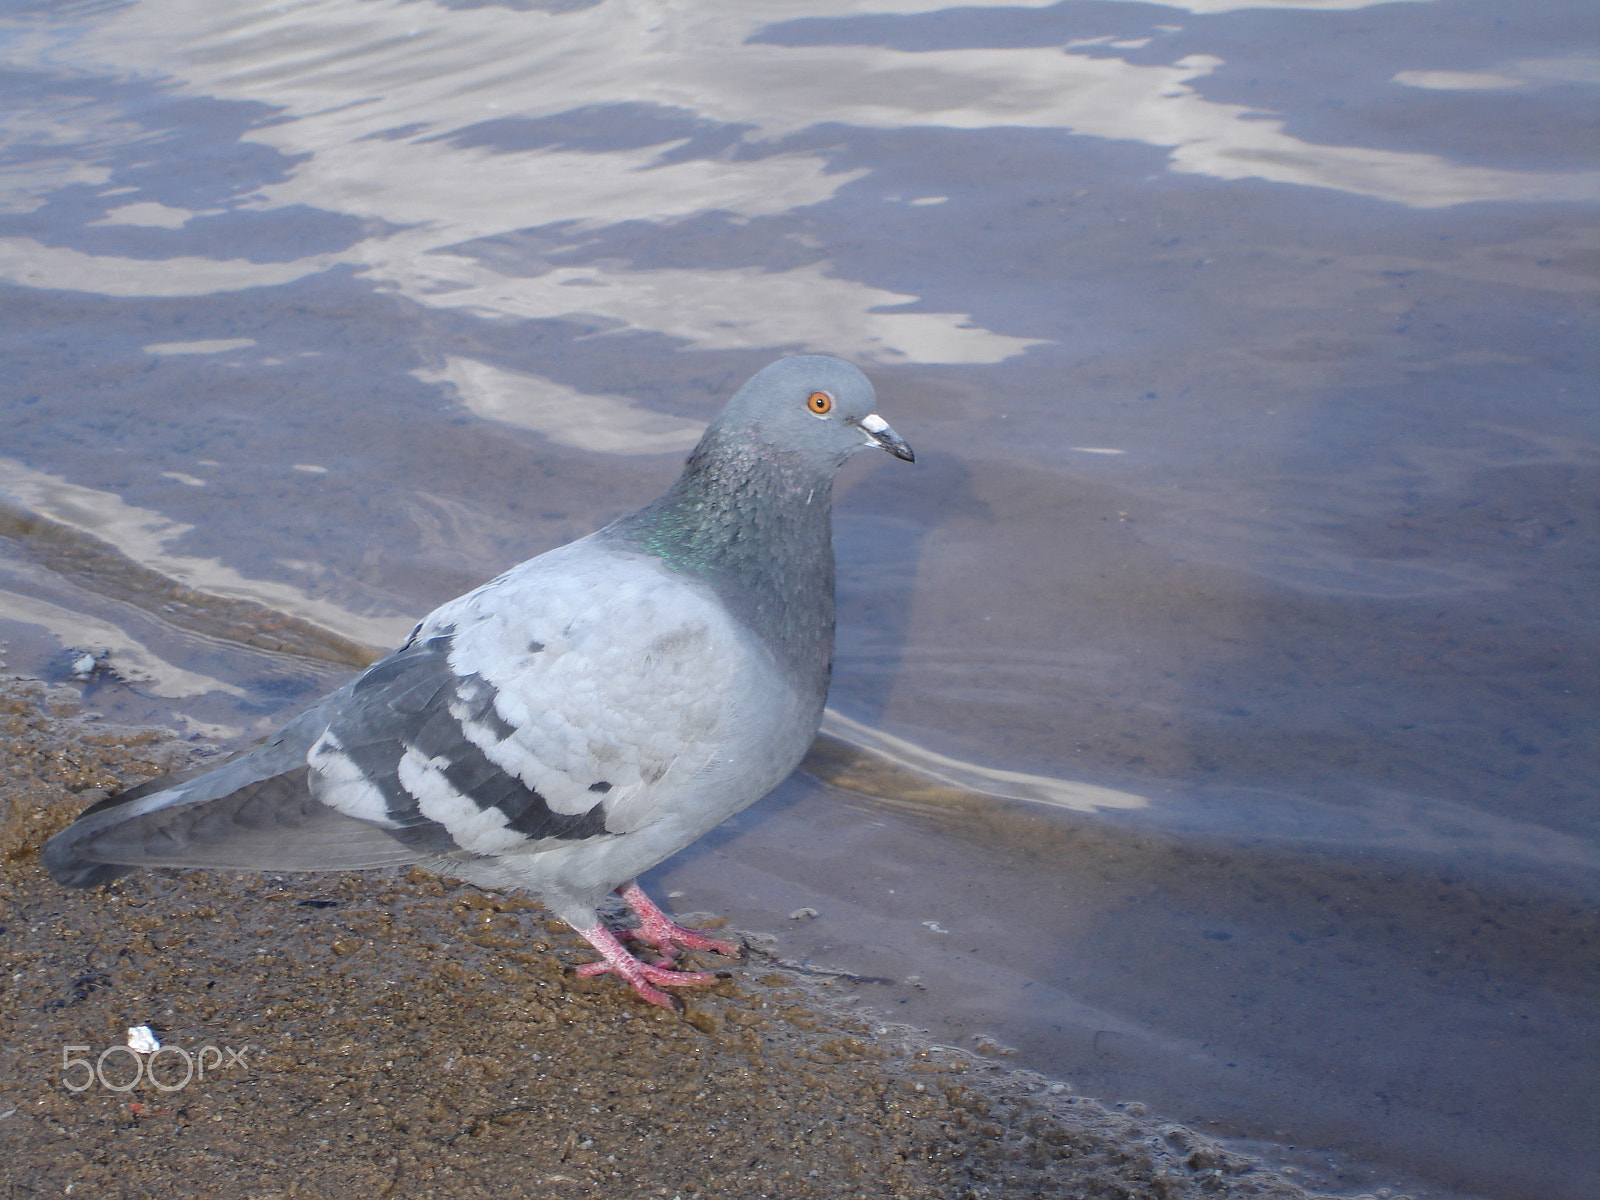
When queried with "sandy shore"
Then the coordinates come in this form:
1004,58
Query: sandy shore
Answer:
394,1035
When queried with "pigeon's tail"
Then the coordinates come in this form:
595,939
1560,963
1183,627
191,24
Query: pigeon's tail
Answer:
69,870
68,856
247,814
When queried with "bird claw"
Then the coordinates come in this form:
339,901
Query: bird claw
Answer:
665,936
662,932
615,960
667,943
650,972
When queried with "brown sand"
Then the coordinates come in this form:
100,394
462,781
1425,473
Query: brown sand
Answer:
389,1034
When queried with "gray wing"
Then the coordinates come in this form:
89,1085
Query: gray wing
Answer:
397,754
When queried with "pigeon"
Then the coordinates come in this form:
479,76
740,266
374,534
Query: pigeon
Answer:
570,724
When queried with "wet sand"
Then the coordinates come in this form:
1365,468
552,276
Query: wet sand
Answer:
390,1034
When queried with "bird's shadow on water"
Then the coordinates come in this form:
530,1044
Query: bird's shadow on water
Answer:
881,525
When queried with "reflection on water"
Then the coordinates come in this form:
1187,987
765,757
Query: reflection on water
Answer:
393,104
601,424
868,761
126,551
1250,545
135,662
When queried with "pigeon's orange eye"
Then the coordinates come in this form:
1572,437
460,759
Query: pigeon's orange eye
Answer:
819,403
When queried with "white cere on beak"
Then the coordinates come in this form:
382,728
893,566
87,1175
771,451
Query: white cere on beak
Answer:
873,423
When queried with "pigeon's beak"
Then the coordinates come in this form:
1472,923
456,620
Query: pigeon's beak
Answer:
885,438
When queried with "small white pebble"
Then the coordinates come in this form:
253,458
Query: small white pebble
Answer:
804,914
142,1040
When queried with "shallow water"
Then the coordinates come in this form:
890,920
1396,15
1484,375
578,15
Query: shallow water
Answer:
1248,354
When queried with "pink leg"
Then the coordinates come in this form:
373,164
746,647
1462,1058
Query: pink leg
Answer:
661,931
614,958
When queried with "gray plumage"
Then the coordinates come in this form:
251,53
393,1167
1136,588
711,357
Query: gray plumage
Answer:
573,722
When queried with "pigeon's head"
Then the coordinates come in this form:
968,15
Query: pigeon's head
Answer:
818,408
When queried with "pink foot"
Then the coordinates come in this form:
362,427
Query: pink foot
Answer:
661,931
615,959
